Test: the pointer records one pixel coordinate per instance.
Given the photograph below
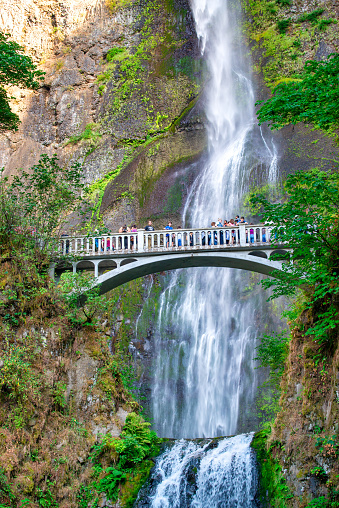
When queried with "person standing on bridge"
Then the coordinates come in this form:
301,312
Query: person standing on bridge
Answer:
124,229
168,227
251,233
227,233
220,225
149,227
179,237
133,230
233,233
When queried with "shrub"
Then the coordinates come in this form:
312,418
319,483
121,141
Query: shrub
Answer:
283,25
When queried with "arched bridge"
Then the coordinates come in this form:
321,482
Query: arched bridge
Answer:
119,258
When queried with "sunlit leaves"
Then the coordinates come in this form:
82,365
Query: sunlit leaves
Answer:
307,221
313,99
17,69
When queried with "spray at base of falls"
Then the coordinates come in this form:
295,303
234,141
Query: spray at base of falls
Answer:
205,473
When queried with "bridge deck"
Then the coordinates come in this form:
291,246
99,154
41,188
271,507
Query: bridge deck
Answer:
116,259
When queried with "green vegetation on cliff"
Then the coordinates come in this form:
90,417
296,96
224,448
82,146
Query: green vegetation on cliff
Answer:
307,220
312,99
303,436
284,36
61,387
16,69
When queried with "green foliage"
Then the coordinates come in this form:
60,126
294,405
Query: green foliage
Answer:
59,394
90,134
284,2
15,69
320,473
114,52
137,443
272,353
18,382
328,446
109,484
84,302
34,206
45,497
313,100
274,492
283,25
5,489
322,502
312,17
308,222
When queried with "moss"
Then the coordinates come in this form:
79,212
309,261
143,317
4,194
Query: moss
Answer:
274,492
282,43
89,133
134,481
115,5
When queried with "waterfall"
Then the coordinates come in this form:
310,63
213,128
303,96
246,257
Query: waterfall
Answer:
203,474
204,379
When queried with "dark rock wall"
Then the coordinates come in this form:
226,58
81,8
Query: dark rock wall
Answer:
132,114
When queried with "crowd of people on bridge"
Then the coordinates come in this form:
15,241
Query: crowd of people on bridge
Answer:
225,237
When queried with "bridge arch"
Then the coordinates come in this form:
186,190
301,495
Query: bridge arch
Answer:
106,265
156,263
259,254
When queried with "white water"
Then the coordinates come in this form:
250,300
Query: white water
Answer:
201,475
204,379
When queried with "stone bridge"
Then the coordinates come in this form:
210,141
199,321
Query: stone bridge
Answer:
121,257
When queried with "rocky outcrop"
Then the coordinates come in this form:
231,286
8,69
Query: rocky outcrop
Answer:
304,436
108,110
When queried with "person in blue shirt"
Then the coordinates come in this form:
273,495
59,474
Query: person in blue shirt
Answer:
179,237
220,225
168,227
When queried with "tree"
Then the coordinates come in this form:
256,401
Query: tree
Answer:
16,69
312,99
308,222
82,310
35,206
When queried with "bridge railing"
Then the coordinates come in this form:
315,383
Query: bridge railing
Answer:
160,240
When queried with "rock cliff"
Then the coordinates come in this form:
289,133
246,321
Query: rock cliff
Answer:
120,96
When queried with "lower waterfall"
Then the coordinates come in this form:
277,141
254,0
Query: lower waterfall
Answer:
207,473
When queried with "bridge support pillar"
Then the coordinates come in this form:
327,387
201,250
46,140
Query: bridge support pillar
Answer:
242,235
51,270
140,241
96,268
74,267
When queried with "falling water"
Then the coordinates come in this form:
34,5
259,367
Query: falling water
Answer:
204,379
203,474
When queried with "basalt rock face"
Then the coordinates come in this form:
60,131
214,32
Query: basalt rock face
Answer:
120,95
305,433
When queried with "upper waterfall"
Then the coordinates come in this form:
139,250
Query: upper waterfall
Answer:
205,379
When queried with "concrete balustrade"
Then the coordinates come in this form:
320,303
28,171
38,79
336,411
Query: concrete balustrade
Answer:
121,257
164,240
